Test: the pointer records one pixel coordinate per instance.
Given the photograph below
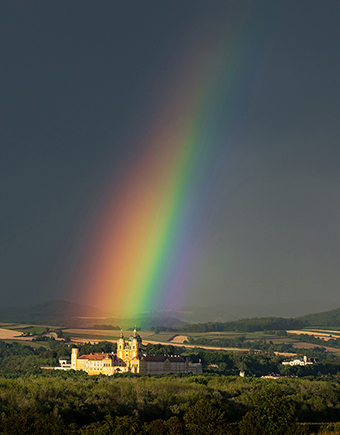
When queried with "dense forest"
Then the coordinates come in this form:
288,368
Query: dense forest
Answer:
39,401
55,402
328,318
247,325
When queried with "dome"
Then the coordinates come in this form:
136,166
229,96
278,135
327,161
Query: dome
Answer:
135,336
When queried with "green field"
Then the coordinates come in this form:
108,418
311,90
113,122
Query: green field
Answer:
260,340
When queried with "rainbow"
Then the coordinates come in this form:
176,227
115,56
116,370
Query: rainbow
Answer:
144,248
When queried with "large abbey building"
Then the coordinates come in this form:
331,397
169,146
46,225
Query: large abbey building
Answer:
130,358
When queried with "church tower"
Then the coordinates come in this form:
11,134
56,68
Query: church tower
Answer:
120,345
136,344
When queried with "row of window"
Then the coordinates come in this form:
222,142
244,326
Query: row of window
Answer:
133,347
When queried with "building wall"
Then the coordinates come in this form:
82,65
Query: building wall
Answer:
129,358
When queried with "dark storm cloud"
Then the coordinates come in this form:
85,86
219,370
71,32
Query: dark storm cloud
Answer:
77,79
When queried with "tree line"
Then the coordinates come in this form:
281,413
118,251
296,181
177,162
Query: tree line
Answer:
23,359
247,325
55,402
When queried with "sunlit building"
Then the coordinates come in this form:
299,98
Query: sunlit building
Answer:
131,359
300,362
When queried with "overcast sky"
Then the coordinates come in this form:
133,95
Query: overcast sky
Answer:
79,82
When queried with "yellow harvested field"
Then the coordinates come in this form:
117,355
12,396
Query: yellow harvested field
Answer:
326,331
325,335
285,353
179,339
53,335
9,334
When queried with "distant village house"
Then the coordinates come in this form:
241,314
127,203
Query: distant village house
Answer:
300,362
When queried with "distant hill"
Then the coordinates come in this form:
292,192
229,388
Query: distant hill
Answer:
247,325
327,318
227,312
146,322
51,312
69,314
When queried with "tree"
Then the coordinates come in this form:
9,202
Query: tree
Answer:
127,425
175,427
157,427
272,414
30,421
206,418
248,425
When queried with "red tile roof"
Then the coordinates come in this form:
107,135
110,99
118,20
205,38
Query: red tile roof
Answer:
160,358
96,356
155,358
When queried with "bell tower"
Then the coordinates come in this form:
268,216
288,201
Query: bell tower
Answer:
136,344
120,345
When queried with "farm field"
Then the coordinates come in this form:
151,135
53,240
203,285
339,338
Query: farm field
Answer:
302,345
326,335
10,334
205,340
